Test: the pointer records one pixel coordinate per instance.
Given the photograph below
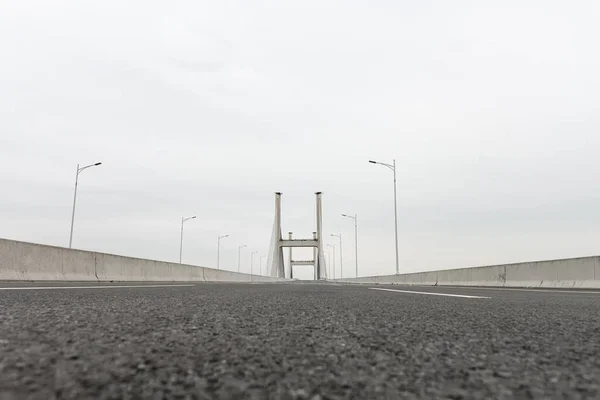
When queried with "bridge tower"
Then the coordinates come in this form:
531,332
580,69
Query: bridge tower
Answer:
301,262
275,264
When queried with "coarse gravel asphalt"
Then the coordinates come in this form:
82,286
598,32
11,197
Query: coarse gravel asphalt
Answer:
297,341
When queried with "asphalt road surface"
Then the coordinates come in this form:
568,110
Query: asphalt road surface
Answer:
296,341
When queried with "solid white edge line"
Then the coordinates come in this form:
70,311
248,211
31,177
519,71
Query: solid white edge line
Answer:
432,294
87,287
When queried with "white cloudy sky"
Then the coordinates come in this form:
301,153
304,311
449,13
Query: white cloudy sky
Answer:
491,109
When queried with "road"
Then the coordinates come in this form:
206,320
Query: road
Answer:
296,341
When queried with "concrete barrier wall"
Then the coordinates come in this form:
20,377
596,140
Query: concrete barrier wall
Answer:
23,261
567,273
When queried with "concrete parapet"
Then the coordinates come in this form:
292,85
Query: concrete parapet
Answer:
581,272
23,261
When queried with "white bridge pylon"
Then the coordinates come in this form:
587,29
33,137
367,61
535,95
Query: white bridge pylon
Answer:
275,264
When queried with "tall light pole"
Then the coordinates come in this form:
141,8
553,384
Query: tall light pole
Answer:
75,197
339,236
393,168
181,240
261,262
354,217
219,248
252,262
239,254
333,251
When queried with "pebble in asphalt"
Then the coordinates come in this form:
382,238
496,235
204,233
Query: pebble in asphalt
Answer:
296,341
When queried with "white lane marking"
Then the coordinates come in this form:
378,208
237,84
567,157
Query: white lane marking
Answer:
500,289
433,294
87,287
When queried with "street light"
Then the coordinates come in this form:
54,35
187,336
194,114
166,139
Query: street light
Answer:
339,236
333,251
252,262
239,253
181,241
219,248
354,217
393,168
75,197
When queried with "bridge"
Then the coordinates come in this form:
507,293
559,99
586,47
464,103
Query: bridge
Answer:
77,324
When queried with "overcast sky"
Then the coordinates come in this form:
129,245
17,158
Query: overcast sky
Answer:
490,108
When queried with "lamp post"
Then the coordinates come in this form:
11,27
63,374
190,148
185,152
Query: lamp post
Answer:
239,253
252,262
354,217
219,249
183,220
339,236
79,170
393,168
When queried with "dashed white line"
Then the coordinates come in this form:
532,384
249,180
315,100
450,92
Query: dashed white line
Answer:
432,294
88,287
548,290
